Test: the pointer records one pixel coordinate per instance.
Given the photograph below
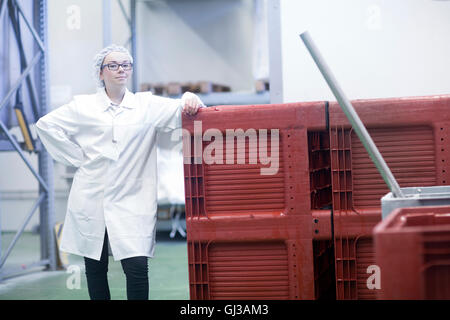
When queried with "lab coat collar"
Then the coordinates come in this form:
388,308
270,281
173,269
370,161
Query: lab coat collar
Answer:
105,102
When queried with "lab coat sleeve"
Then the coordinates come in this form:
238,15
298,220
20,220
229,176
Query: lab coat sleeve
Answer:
56,131
168,111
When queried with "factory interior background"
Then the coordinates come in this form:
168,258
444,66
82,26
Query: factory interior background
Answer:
246,53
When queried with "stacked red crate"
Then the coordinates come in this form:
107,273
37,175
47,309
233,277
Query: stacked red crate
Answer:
234,214
413,253
412,135
252,235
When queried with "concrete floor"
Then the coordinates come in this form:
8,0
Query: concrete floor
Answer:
168,273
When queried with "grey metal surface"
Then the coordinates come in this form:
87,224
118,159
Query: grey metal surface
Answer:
22,228
21,153
20,80
352,116
46,170
133,29
275,53
132,23
17,38
37,16
5,62
2,9
233,98
107,23
416,197
30,26
1,245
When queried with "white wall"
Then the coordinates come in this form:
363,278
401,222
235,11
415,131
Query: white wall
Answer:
177,40
375,48
196,40
75,36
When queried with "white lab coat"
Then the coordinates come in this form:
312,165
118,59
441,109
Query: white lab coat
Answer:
115,185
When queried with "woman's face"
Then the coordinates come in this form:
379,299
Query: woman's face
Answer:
118,77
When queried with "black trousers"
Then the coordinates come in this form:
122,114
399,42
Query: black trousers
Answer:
136,273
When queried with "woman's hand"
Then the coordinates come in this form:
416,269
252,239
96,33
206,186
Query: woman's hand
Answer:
191,103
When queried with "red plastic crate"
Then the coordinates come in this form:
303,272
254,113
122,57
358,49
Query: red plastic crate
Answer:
411,134
413,253
354,253
236,218
319,169
242,270
220,198
239,189
324,273
251,242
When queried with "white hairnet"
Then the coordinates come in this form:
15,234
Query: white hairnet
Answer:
100,57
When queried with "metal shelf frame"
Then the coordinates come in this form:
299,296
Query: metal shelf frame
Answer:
39,96
131,21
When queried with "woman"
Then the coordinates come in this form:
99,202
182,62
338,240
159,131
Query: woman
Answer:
110,137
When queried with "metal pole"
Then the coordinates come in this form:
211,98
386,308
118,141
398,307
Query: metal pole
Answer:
19,232
134,44
19,81
3,9
107,23
30,27
10,272
275,53
23,61
1,276
42,183
352,116
47,208
124,12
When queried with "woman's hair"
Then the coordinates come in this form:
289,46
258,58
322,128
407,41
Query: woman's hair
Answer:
100,57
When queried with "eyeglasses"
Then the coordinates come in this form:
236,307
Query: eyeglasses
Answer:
115,66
